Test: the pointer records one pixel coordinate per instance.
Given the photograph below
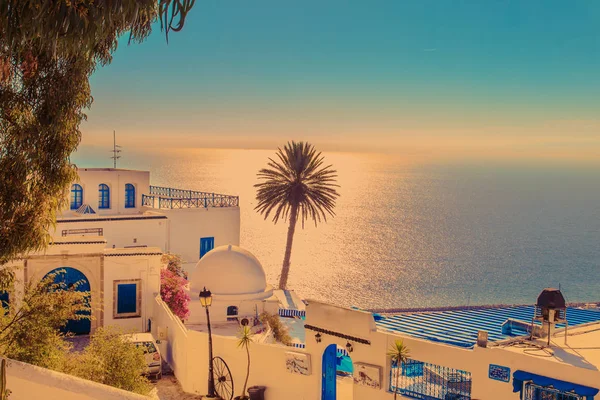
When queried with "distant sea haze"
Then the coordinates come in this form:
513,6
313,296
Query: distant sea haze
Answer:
411,234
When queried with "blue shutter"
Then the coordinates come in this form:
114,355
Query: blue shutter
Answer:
206,245
126,298
129,196
76,196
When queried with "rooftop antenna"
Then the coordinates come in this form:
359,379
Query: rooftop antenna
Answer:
116,150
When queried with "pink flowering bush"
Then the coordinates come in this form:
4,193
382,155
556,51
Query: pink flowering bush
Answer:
173,293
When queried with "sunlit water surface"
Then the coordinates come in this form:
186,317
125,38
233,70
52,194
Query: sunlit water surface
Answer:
410,234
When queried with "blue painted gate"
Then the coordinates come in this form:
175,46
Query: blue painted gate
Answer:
328,378
72,278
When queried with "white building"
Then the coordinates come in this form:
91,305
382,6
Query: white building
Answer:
111,237
122,207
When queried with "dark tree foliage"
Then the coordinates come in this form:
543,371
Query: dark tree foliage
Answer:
48,50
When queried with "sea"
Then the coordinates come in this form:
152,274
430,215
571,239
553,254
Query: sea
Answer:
412,233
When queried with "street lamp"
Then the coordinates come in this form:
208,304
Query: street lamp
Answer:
206,301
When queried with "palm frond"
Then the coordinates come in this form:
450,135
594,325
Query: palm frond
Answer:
298,178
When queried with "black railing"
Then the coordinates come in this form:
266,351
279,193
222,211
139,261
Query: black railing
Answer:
97,231
170,198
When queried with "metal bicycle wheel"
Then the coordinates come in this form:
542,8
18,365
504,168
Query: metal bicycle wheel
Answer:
223,379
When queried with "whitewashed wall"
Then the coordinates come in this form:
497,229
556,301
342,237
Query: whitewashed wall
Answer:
116,179
139,230
123,264
188,225
268,361
28,382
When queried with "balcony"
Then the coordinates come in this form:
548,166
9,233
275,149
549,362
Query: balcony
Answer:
171,198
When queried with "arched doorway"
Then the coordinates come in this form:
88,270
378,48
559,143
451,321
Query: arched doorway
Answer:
328,376
71,277
337,369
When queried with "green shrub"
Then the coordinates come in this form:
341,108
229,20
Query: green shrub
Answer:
113,360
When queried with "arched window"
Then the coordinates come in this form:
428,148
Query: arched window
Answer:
103,196
129,196
76,196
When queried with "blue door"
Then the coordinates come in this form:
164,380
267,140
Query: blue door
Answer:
328,378
72,278
206,245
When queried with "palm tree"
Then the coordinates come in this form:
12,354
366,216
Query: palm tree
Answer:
398,354
244,340
296,185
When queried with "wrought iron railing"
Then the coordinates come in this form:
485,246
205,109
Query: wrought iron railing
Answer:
170,198
423,380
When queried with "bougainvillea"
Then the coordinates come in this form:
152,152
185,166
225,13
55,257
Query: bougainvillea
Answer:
172,291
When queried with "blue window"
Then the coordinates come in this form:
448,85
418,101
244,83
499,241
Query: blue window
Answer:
206,245
129,196
76,196
127,301
103,196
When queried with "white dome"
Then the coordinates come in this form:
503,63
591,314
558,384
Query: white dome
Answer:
229,270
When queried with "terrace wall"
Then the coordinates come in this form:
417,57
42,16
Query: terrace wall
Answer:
28,382
268,361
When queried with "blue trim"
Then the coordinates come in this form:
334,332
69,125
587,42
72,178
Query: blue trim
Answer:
206,245
129,196
76,196
68,278
103,196
329,373
521,376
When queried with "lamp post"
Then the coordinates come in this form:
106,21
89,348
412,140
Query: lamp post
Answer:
206,301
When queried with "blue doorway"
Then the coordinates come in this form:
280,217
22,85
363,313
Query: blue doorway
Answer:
328,377
72,278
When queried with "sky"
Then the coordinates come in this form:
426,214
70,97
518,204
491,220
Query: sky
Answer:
512,78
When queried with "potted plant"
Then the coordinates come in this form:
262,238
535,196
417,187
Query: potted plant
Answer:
244,340
398,354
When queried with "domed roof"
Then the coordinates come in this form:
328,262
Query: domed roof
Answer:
229,270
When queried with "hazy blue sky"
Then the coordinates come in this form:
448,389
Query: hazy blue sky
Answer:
422,76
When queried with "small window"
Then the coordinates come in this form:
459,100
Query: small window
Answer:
76,196
206,245
127,298
103,196
129,196
232,311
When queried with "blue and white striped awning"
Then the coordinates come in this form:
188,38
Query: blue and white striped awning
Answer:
460,327
284,312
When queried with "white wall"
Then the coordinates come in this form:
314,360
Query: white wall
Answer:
28,382
188,225
118,232
122,264
268,361
90,178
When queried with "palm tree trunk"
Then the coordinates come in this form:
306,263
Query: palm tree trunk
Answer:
285,269
247,374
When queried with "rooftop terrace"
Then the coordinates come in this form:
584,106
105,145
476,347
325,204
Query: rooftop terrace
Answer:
172,198
460,327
